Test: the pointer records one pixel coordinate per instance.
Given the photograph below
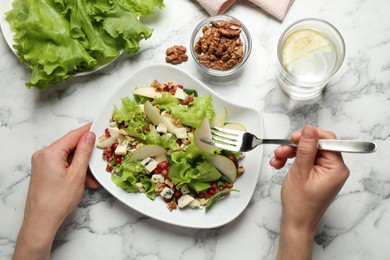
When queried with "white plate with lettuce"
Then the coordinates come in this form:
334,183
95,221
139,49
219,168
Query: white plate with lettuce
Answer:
223,212
58,47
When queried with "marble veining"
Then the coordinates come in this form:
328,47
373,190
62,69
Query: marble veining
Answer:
355,105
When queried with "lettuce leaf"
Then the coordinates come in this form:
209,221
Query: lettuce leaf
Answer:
58,38
193,115
130,113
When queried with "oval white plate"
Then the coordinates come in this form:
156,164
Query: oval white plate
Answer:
5,6
224,211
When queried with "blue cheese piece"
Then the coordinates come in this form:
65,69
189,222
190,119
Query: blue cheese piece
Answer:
181,133
121,149
180,94
157,178
167,193
185,200
149,163
184,189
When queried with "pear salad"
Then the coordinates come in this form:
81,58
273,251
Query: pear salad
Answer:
153,145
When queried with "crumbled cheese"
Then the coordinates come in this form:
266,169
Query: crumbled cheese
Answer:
149,163
180,94
121,149
181,132
167,136
195,204
184,189
167,193
184,200
161,128
140,187
157,178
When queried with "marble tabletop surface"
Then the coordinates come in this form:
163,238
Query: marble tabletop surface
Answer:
355,105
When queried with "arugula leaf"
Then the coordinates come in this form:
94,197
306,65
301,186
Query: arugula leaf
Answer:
210,203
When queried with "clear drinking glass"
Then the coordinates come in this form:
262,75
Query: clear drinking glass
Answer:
309,51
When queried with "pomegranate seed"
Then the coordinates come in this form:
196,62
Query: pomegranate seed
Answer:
107,133
118,159
229,185
180,86
109,168
164,172
201,195
114,146
177,194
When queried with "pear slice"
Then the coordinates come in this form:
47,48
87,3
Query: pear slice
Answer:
219,118
224,165
149,92
235,126
154,115
203,132
114,134
149,150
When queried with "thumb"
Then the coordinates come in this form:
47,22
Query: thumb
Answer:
307,149
83,152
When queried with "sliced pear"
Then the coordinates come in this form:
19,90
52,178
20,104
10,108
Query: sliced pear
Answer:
219,118
235,126
203,132
154,115
224,165
161,157
149,92
114,134
143,152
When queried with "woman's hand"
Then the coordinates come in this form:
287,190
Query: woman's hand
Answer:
311,184
58,178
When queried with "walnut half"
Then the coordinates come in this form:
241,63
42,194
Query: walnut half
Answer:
176,54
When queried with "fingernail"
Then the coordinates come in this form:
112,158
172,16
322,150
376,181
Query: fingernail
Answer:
89,138
308,133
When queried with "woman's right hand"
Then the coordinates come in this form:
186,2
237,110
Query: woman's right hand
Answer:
311,184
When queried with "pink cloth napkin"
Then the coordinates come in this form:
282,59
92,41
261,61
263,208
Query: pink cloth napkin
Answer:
216,7
276,8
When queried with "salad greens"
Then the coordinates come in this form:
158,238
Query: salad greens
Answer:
184,169
58,38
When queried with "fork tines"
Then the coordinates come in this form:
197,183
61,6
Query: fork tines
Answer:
226,138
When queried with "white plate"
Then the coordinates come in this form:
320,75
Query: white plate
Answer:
225,210
5,6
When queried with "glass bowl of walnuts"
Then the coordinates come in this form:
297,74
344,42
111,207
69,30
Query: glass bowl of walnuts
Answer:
221,45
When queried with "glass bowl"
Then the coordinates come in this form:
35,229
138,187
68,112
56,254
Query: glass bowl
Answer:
244,36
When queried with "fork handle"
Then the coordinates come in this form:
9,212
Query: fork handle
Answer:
347,146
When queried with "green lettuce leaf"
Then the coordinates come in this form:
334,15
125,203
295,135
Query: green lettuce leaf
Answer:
193,115
59,38
43,42
130,113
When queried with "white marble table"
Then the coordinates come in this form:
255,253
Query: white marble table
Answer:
355,105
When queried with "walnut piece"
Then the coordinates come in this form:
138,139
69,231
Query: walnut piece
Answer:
220,47
176,54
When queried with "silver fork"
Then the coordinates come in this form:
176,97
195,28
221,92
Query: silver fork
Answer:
240,141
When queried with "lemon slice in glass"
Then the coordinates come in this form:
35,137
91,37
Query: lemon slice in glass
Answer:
302,43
